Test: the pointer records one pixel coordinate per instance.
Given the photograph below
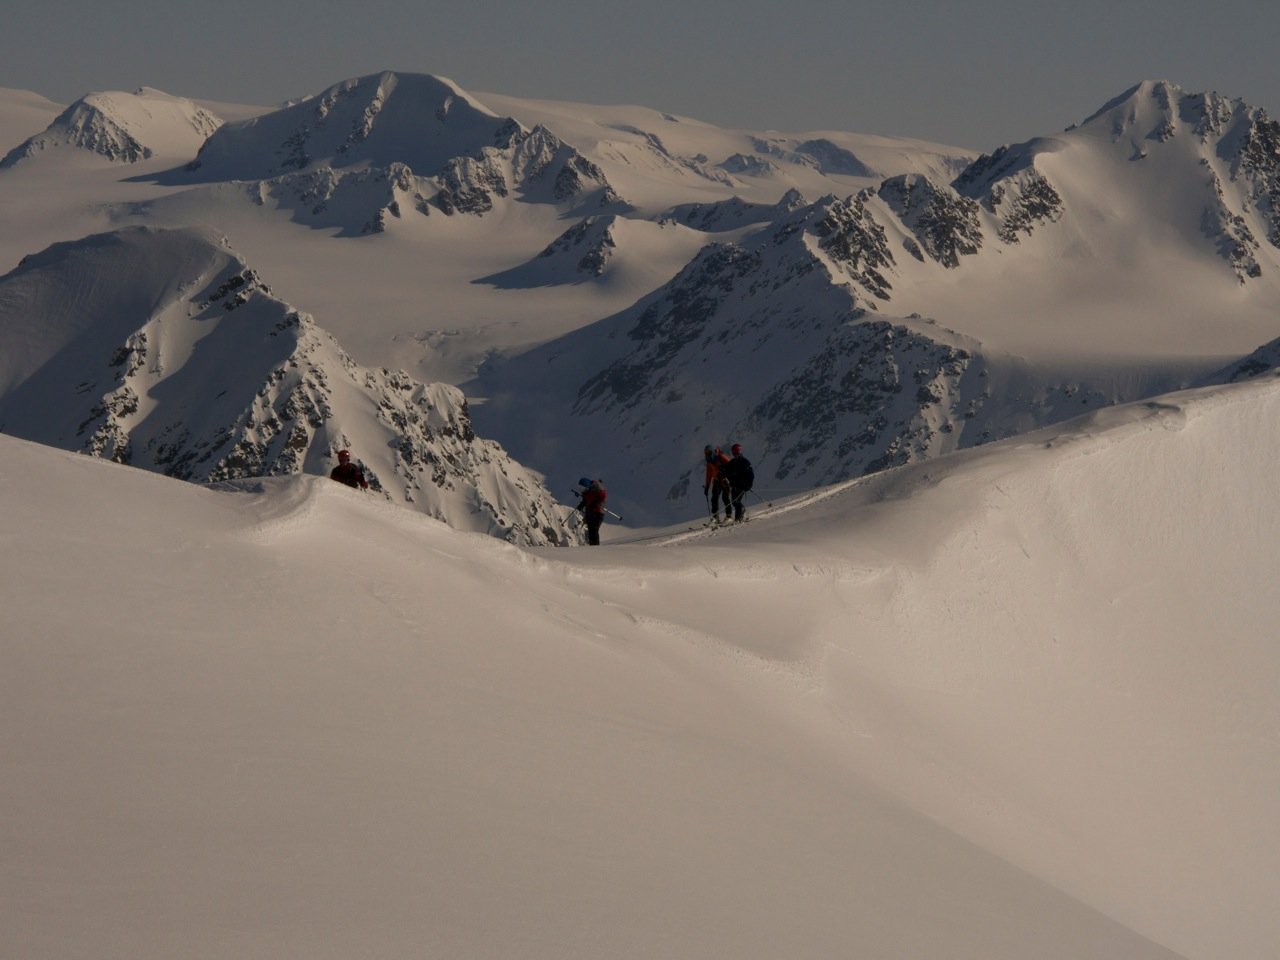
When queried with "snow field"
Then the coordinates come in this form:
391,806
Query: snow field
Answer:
288,720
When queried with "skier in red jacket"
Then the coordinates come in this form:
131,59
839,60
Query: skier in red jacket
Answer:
592,507
715,483
352,474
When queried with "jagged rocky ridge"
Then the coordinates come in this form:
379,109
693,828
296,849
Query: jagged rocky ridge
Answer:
945,225
734,213
197,371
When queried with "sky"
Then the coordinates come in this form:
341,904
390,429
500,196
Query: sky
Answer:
969,75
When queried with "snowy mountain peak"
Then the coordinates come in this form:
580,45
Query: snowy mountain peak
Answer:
124,128
1237,145
1158,110
416,119
381,147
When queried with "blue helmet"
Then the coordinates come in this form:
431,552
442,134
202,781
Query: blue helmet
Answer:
584,482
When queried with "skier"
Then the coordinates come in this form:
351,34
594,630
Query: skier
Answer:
714,481
352,474
591,506
741,476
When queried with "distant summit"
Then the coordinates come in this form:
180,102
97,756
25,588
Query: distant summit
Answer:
414,119
370,150
123,128
1219,156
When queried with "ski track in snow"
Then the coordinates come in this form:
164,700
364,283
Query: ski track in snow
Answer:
276,506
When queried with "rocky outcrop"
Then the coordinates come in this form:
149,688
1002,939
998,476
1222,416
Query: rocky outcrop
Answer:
945,224
734,213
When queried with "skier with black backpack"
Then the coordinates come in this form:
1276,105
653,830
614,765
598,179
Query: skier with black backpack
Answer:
740,475
592,507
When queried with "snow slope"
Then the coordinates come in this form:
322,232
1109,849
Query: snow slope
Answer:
23,114
1019,701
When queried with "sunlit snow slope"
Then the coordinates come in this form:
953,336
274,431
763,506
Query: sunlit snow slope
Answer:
1017,702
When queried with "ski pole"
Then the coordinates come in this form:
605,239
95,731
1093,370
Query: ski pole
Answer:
616,516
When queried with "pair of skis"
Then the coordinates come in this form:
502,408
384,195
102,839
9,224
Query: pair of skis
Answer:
710,524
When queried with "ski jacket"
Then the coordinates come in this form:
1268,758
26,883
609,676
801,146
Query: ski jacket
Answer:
593,499
350,474
740,474
715,469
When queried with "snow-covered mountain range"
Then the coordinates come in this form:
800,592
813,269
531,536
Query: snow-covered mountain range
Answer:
989,674
620,287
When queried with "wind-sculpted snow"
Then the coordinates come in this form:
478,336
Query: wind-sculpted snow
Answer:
164,350
272,507
945,720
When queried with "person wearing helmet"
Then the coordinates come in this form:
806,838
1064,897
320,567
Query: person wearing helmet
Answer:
591,506
740,475
714,482
352,474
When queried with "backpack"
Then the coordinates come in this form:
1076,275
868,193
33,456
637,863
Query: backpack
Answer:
594,497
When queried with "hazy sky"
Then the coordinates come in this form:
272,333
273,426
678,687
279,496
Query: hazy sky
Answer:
969,74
